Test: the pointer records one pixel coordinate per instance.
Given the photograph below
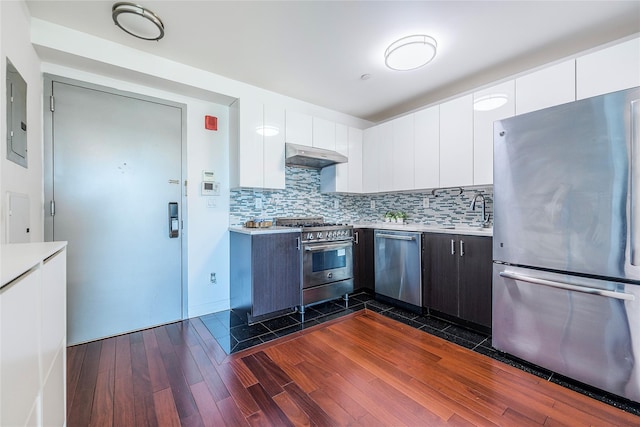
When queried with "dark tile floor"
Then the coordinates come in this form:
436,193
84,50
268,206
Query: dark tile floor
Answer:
233,333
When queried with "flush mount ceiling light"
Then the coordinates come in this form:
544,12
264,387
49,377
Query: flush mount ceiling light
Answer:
490,102
137,21
267,130
411,52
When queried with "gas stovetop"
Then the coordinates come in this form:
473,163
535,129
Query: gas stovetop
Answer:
314,229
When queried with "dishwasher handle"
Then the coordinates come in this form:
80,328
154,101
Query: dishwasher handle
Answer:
396,237
567,286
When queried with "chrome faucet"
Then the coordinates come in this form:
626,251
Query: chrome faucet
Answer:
485,216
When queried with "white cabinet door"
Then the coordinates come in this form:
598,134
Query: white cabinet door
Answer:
299,128
273,148
249,164
20,313
385,157
344,177
355,160
403,153
544,88
324,134
342,147
456,142
483,128
370,152
609,70
427,148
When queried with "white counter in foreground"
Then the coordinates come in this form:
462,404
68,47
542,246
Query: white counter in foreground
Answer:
33,334
18,258
270,230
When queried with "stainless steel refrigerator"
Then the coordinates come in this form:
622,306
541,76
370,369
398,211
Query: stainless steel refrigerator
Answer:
566,243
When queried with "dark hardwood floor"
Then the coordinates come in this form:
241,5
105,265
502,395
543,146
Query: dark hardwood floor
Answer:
362,369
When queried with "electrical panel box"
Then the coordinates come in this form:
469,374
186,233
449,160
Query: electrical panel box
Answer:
16,116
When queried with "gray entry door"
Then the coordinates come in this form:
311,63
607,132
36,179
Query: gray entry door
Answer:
116,165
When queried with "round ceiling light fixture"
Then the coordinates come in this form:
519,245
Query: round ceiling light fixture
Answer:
137,21
490,102
410,53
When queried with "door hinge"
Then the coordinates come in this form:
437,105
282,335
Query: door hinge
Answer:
52,207
51,104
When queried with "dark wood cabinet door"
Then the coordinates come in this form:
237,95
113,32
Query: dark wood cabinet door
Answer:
475,276
363,268
276,275
440,272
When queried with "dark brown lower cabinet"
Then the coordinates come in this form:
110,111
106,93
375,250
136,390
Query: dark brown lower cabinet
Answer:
457,274
265,272
363,268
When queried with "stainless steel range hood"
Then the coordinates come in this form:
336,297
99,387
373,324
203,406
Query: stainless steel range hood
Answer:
311,157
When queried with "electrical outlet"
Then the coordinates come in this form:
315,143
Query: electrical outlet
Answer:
213,278
258,202
373,204
336,204
425,202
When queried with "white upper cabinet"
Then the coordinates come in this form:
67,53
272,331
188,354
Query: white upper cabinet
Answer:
370,153
273,147
324,134
299,128
385,157
609,70
257,156
249,165
403,153
345,177
547,87
484,114
355,160
427,148
456,142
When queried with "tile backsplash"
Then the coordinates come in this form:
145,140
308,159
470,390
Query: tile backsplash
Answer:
302,197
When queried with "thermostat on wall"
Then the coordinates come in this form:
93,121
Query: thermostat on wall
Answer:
210,188
208,176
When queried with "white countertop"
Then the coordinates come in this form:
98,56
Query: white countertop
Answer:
18,258
270,230
423,228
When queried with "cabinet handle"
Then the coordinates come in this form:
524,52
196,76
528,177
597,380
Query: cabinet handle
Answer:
461,247
357,237
298,243
453,247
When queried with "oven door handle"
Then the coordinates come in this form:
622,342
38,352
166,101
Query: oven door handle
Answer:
316,248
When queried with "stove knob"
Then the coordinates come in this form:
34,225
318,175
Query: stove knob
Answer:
309,236
319,235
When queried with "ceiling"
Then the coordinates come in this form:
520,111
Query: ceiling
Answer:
317,51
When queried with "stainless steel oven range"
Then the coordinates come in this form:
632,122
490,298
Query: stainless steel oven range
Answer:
327,259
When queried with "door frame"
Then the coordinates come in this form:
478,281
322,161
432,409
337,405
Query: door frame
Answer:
48,167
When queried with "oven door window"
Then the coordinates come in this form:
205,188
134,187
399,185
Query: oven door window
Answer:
329,260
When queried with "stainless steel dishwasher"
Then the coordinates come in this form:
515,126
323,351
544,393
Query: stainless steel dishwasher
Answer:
398,265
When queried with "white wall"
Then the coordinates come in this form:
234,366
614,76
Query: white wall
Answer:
15,44
207,235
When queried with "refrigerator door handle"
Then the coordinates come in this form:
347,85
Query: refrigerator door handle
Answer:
560,285
634,217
